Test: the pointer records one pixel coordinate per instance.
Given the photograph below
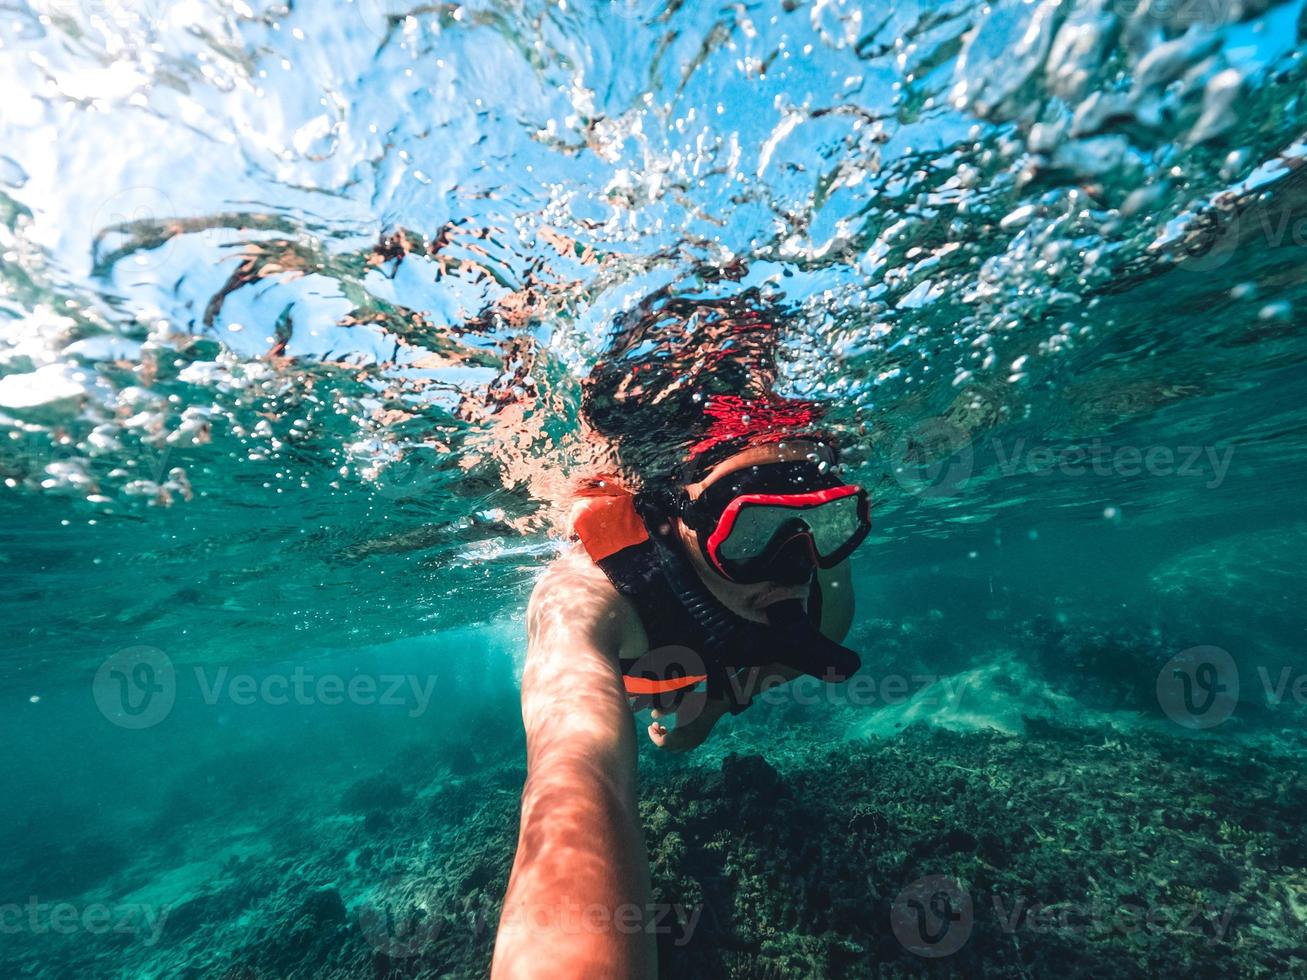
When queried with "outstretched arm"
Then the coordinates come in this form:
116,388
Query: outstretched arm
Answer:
579,889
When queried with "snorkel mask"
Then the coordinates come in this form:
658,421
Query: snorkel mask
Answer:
777,522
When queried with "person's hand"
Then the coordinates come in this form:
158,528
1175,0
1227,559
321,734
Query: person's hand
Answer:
695,715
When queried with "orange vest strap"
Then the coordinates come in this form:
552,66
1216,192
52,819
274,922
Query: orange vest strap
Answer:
607,524
646,685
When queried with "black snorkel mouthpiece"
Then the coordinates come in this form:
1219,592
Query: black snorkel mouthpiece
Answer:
817,654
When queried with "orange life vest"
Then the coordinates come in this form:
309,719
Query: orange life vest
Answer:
614,536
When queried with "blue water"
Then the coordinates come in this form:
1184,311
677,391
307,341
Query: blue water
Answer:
295,306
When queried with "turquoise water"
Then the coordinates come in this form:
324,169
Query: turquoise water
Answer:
295,305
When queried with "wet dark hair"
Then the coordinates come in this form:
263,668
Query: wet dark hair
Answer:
679,381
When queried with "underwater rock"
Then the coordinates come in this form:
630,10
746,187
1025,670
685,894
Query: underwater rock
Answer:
750,774
58,871
1239,591
324,906
460,757
300,935
1104,670
194,914
373,793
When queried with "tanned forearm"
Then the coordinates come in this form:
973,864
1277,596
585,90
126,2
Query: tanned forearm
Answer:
579,891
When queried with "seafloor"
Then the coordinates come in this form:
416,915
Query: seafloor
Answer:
1074,852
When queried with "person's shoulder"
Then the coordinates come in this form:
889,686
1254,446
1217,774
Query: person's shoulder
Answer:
575,591
572,573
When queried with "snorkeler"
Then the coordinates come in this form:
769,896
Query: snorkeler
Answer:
707,585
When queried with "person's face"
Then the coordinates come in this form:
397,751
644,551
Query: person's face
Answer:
748,600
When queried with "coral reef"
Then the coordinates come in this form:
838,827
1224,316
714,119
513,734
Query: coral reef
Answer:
1081,852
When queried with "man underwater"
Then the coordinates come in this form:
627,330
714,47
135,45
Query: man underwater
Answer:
698,584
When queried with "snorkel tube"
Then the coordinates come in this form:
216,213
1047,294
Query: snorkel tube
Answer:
731,641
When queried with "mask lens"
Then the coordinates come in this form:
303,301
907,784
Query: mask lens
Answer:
832,525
